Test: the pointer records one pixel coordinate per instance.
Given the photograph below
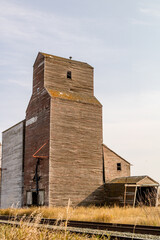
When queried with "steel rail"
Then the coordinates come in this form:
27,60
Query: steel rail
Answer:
113,227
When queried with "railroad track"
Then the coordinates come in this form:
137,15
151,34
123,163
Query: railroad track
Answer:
102,227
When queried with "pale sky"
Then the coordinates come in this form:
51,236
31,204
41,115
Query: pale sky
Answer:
119,38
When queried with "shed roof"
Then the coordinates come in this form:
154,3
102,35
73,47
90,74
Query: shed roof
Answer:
72,96
138,180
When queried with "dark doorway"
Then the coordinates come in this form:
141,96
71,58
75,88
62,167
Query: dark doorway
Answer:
146,196
34,199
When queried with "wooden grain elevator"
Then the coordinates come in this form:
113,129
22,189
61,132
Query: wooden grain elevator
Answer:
63,135
57,153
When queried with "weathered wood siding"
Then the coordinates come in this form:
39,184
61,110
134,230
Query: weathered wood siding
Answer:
65,113
12,166
110,165
158,200
75,152
56,75
130,195
0,170
37,133
147,181
115,194
75,168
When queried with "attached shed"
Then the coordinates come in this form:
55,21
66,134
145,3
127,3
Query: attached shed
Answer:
133,191
12,166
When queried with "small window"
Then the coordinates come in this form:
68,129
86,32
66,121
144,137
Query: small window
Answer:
69,75
119,166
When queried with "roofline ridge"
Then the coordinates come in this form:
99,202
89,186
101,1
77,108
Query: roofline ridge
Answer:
67,59
117,154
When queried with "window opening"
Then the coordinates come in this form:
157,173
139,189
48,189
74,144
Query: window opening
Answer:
119,166
69,74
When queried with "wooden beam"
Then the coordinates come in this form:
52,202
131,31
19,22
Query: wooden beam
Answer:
125,195
135,193
142,185
157,197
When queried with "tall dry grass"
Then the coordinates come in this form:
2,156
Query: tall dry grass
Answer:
28,233
30,229
140,215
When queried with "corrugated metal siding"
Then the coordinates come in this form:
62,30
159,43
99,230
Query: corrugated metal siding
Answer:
0,153
12,166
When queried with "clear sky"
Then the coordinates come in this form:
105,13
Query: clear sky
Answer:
119,38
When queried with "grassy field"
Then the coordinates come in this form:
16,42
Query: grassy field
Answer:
139,215
33,233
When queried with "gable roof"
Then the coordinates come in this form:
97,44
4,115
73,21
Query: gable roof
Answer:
134,180
46,55
116,154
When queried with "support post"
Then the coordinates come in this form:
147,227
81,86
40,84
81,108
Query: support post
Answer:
125,195
157,197
135,193
104,180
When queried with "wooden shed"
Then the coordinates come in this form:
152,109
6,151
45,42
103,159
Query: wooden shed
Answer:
133,191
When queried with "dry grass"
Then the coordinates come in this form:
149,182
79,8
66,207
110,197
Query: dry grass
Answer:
139,215
31,230
32,233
